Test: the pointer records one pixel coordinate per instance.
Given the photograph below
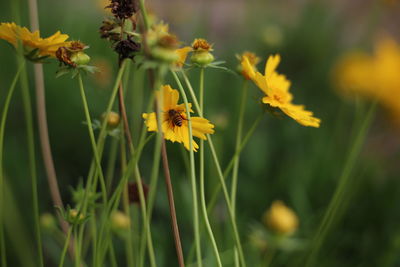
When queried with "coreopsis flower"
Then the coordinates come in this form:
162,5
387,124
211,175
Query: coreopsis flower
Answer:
276,89
280,218
201,52
253,60
175,126
373,76
34,46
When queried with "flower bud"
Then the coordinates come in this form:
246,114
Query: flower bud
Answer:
281,219
202,58
113,119
73,217
80,58
120,221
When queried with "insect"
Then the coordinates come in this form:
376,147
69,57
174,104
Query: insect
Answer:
175,117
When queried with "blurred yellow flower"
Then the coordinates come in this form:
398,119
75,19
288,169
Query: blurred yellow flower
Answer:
175,125
13,33
253,60
120,221
276,88
280,218
373,76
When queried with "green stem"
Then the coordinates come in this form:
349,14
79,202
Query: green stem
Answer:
66,243
26,98
2,129
344,180
91,184
244,142
112,157
242,106
144,15
221,177
202,181
125,196
93,140
243,99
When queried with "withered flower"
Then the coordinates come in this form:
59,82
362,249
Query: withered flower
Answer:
110,30
126,48
123,9
72,54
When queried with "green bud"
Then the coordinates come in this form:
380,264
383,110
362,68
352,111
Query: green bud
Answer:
202,58
80,58
113,119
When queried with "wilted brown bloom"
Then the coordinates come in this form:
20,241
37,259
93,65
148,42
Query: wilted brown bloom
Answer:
123,9
133,192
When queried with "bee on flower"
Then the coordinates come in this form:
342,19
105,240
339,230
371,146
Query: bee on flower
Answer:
175,125
276,89
35,48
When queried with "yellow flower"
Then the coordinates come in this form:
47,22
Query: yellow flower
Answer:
281,218
253,60
175,125
276,88
373,76
13,33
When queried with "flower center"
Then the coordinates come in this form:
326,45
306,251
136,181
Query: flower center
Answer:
175,117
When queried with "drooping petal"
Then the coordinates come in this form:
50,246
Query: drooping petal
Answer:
182,53
302,116
201,126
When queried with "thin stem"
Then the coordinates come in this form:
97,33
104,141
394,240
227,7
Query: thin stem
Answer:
122,110
172,211
202,180
93,140
344,180
220,176
26,98
144,15
192,174
237,146
43,129
244,142
64,251
128,240
2,129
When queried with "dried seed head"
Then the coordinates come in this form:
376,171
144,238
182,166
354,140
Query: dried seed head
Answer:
110,30
126,48
201,45
123,9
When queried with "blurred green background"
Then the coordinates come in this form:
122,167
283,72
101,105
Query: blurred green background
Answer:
283,160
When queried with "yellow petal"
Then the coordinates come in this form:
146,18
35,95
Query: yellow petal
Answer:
272,64
182,53
170,96
247,69
304,117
